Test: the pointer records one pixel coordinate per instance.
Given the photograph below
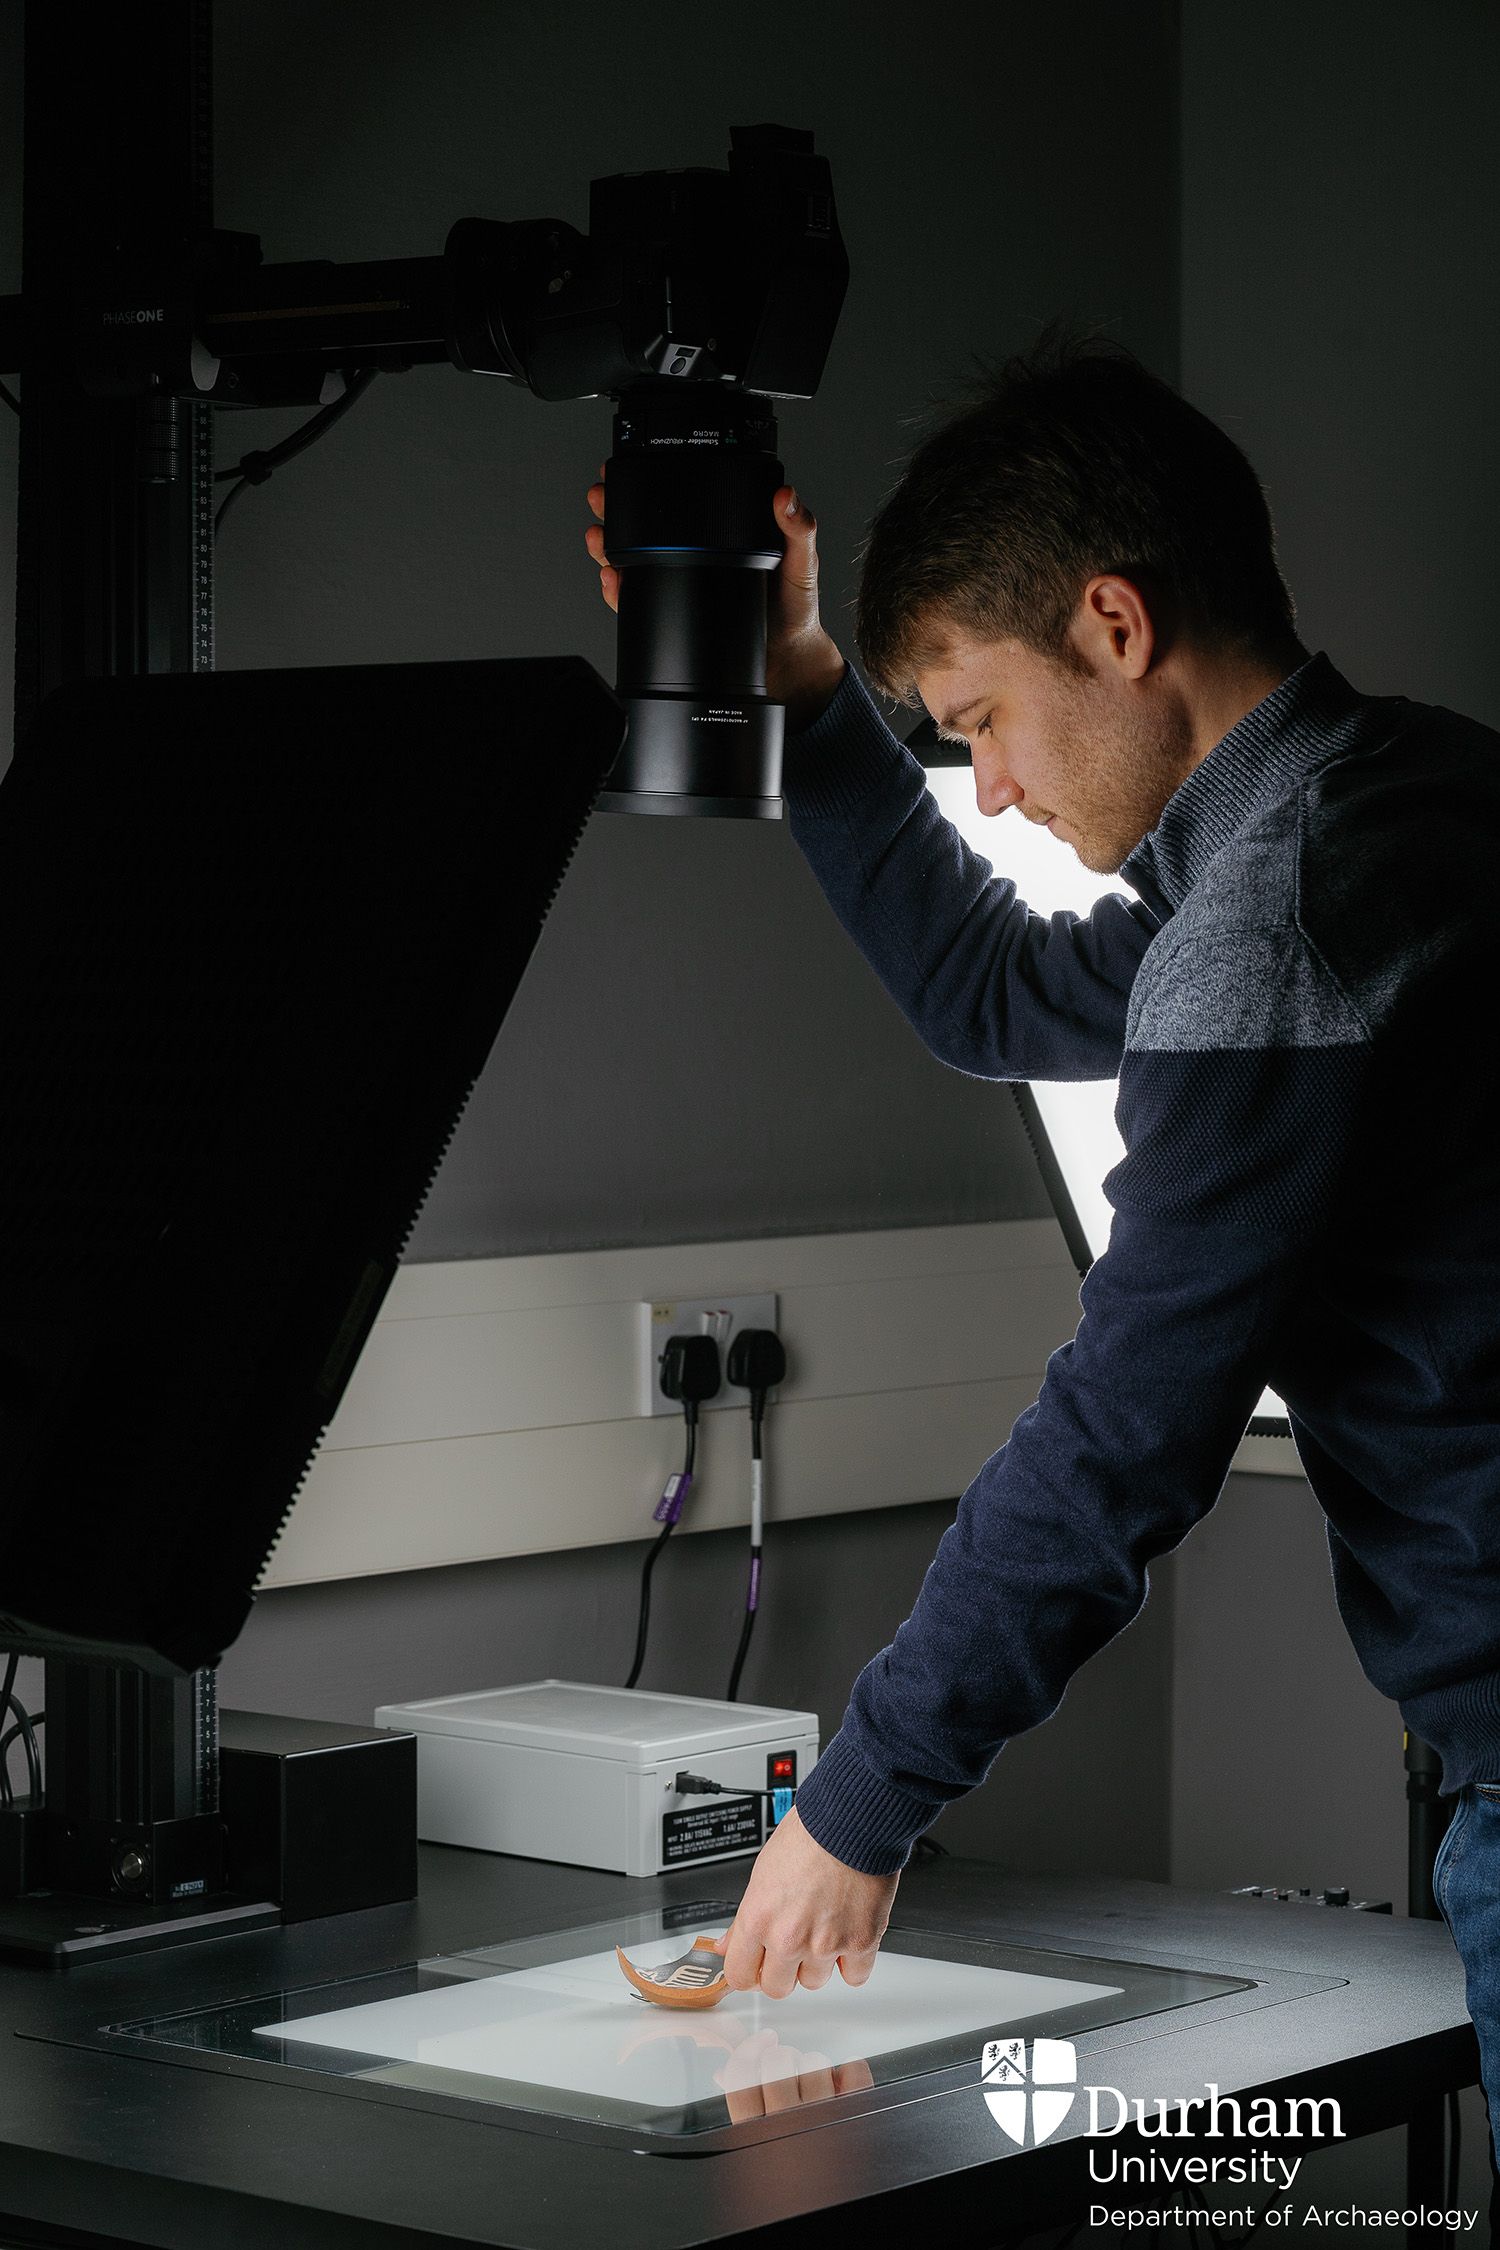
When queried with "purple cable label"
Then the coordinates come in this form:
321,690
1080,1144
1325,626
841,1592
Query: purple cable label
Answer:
669,1506
754,1582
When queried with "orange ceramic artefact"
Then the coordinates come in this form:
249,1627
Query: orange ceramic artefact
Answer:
694,1980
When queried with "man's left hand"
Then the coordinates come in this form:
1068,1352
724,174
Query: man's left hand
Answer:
803,1914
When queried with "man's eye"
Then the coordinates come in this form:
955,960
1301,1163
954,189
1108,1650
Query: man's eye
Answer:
984,724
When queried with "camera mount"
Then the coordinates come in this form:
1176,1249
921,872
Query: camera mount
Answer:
694,299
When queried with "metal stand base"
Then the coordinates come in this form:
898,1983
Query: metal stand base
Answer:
61,1929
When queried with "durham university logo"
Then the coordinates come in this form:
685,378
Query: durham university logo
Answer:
1047,2090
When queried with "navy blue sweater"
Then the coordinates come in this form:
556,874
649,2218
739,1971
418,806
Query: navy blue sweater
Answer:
1301,1010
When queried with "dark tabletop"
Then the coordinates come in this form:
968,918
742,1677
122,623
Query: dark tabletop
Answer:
140,2148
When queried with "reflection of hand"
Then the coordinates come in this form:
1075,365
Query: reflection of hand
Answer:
711,2028
763,2077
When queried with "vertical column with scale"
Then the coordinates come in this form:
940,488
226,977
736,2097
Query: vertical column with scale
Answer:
114,574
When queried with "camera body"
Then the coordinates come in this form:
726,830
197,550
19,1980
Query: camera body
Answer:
732,277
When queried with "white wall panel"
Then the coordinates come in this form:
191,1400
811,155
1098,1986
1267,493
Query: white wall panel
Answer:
493,1409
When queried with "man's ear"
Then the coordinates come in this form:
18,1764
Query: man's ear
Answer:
1115,626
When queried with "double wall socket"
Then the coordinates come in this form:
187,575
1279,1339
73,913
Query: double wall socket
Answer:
720,1317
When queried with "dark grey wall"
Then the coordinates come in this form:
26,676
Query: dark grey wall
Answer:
1341,316
696,1052
1086,1791
11,45
1286,1763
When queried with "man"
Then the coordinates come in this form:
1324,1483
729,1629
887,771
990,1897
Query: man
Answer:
1077,577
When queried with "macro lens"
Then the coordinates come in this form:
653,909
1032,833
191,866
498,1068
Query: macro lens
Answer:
688,525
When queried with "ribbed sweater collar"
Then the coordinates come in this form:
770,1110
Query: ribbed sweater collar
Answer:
1311,717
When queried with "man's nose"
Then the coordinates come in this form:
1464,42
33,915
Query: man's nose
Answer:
995,791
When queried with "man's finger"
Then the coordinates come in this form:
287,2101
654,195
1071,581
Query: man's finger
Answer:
799,528
778,1975
813,1975
609,577
855,1968
743,1956
815,2079
596,500
782,2094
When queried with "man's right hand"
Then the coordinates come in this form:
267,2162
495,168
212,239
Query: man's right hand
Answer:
803,667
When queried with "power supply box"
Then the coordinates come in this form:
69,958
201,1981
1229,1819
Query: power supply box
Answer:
559,1770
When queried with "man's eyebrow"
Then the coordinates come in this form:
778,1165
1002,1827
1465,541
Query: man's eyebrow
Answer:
951,718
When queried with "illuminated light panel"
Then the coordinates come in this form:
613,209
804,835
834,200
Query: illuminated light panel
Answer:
1079,1119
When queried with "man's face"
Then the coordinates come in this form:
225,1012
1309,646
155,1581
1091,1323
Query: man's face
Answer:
1086,753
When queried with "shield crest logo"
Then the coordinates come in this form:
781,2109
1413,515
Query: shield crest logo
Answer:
1047,2089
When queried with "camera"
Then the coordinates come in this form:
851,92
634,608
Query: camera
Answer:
695,300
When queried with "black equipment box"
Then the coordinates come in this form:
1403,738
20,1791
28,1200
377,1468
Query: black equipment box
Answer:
322,1818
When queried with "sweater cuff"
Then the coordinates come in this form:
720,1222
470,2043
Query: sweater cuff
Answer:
845,753
856,1816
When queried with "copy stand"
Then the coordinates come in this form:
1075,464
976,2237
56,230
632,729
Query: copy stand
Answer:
258,932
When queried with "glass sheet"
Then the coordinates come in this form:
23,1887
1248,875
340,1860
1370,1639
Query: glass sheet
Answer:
551,2024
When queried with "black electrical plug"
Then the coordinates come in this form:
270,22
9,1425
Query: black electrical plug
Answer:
690,1371
689,1374
757,1363
689,1368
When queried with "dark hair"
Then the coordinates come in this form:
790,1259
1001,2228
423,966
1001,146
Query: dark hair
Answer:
1072,459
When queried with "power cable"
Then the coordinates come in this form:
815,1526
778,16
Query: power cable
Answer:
689,1374
259,467
757,1362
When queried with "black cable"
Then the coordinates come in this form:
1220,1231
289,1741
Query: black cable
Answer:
227,503
256,468
260,465
1455,2144
12,1702
740,1653
752,1594
690,1374
10,398
690,1411
644,1625
26,1732
702,1785
7,1697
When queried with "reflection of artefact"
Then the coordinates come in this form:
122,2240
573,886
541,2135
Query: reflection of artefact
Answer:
694,1980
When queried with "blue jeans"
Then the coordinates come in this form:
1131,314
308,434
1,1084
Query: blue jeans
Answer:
1466,1886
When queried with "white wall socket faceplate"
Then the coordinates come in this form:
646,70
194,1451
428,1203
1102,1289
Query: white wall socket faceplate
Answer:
722,1317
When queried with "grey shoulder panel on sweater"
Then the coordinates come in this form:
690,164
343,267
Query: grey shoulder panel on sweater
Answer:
1232,970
